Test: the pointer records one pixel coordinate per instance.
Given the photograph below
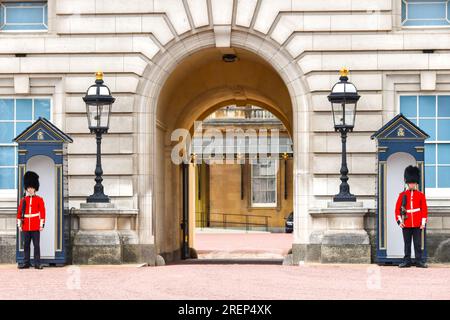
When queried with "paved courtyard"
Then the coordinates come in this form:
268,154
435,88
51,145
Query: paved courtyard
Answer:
226,282
232,244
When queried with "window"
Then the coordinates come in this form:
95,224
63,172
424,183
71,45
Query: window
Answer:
23,16
264,183
432,114
15,116
425,13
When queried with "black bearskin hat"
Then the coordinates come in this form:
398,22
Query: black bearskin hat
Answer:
31,179
412,174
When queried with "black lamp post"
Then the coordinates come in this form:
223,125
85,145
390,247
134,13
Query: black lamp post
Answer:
98,101
343,98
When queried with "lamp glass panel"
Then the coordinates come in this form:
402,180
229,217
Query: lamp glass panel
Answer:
338,116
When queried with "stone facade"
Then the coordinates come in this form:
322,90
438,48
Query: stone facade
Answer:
157,56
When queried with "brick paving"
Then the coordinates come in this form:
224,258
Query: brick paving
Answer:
233,281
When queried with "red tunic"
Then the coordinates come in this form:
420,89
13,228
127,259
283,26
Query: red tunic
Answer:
34,213
416,209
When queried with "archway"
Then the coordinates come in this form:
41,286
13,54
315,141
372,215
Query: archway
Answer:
175,93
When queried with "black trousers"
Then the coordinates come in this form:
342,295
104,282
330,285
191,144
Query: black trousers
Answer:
416,235
27,237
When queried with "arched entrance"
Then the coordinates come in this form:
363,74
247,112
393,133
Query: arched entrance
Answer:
186,83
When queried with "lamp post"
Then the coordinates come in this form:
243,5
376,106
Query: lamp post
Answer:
98,101
343,98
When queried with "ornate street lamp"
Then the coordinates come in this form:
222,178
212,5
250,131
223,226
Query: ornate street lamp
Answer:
343,98
98,101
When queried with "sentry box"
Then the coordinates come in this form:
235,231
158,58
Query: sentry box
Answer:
400,144
42,148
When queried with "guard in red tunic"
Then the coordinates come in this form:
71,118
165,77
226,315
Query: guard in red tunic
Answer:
411,214
31,219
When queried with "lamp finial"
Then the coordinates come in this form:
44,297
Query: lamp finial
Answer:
99,75
344,72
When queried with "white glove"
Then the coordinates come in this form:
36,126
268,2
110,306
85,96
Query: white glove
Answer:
19,224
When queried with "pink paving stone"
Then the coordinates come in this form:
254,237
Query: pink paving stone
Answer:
226,282
277,243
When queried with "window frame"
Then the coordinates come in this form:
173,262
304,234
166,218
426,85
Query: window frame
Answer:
264,205
431,192
401,23
2,5
10,192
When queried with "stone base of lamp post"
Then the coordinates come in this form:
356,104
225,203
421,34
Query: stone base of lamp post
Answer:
338,235
106,235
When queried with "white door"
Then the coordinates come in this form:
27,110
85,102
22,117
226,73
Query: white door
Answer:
45,168
396,165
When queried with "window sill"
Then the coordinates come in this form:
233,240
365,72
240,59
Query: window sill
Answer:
425,27
27,32
8,195
263,206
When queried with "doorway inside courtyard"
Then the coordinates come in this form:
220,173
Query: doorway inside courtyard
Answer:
224,160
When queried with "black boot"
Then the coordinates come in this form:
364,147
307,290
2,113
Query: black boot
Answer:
39,267
405,264
421,265
23,266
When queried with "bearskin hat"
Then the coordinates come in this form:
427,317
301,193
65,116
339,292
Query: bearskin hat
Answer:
412,174
31,179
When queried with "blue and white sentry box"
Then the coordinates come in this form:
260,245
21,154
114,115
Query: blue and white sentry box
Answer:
42,148
400,144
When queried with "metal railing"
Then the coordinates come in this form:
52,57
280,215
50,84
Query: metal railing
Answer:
228,222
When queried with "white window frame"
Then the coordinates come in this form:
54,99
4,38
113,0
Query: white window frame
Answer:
264,205
422,26
431,192
13,192
3,7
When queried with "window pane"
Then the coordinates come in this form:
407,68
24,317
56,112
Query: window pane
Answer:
444,130
443,153
430,153
408,106
426,10
24,109
6,132
7,156
430,176
42,108
443,106
427,106
7,180
264,182
21,126
444,177
429,126
6,109
24,15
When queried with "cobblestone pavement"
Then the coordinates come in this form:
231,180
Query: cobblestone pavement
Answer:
233,281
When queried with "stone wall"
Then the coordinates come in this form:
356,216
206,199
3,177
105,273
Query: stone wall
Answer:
304,41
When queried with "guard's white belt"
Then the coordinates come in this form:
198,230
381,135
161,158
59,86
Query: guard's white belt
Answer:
413,210
31,215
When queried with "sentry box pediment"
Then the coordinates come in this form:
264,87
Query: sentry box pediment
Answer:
42,131
400,128
42,147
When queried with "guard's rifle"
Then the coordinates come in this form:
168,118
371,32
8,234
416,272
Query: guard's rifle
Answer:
403,208
22,213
